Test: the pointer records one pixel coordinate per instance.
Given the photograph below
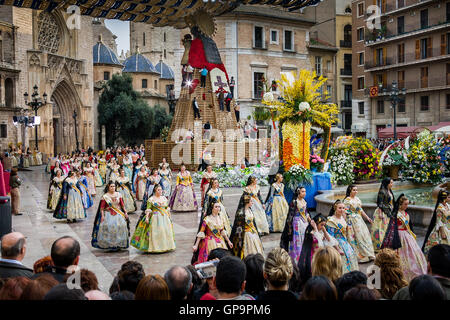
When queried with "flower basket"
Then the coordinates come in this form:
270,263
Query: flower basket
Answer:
297,175
393,172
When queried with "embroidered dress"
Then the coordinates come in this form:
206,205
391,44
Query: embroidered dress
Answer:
385,205
136,170
128,167
124,189
89,173
102,168
39,158
70,205
157,235
442,221
211,237
337,228
33,159
277,208
65,166
141,181
114,172
26,161
359,235
166,182
299,225
85,196
152,181
97,177
412,260
218,195
244,236
258,210
55,192
183,197
113,232
206,179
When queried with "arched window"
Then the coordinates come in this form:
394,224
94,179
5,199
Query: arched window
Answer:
348,33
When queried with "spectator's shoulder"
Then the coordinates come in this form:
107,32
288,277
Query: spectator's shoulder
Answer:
402,294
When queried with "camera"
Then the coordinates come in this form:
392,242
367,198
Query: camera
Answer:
207,269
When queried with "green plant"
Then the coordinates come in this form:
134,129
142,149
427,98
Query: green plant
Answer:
164,134
261,113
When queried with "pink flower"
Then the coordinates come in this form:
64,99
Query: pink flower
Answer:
314,161
321,161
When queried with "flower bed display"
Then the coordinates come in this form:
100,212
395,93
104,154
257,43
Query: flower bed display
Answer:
341,166
365,159
235,176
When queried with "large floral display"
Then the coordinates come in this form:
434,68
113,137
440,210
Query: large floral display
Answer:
301,104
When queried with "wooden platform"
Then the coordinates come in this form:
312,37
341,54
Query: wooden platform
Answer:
190,153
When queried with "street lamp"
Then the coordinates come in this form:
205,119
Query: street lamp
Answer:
35,104
74,116
394,97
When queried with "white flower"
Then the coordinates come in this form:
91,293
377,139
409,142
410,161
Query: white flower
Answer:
303,106
268,97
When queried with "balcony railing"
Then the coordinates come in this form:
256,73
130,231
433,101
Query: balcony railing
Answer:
409,58
346,43
424,83
260,45
346,72
346,104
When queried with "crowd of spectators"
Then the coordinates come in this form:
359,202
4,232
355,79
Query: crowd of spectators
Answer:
271,278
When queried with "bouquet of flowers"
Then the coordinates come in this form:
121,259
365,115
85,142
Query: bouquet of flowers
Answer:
423,159
297,175
341,166
396,156
365,159
316,162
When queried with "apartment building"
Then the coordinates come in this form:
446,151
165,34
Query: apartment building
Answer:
411,47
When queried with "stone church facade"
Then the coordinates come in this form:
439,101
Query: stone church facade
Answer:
37,48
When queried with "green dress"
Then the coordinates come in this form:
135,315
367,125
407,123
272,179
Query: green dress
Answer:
157,235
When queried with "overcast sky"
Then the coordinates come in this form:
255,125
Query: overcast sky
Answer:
122,30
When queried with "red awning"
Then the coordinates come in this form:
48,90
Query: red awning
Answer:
402,132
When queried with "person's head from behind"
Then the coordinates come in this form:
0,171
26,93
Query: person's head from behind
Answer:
65,252
13,246
37,289
439,260
361,292
129,276
62,292
43,264
96,295
88,280
254,278
230,276
152,287
218,253
13,288
319,288
348,281
327,262
426,287
278,269
179,281
391,273
122,295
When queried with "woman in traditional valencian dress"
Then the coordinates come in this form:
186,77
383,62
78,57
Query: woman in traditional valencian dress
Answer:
399,236
128,166
166,180
206,179
337,227
70,204
164,162
97,177
361,239
211,233
88,172
124,188
152,180
38,158
154,231
277,207
183,198
140,183
75,165
26,158
244,235
102,167
316,236
84,188
296,223
114,170
33,158
439,229
383,212
136,169
55,190
258,208
111,225
214,192
65,165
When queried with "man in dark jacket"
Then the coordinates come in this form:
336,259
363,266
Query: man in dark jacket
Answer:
13,252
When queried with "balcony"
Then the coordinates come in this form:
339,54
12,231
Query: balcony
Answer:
346,104
418,85
260,44
391,8
414,30
408,59
346,72
376,64
345,43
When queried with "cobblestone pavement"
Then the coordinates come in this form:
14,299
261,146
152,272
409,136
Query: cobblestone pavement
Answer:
41,229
